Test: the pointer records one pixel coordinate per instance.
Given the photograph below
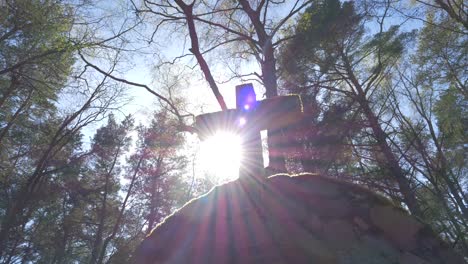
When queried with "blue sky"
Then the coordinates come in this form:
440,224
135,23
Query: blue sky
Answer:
139,67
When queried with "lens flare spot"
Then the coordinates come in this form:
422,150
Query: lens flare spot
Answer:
242,121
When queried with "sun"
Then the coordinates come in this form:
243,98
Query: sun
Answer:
220,156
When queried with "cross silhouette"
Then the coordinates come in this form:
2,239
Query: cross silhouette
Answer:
247,120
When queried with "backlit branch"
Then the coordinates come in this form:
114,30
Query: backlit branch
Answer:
173,108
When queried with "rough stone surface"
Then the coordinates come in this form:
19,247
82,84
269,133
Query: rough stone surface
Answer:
292,219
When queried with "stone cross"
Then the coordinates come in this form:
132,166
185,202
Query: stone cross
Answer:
248,119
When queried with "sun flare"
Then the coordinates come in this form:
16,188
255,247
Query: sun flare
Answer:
220,156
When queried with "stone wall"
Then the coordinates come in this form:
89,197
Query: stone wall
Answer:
292,219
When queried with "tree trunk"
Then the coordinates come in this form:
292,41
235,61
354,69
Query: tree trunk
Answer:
270,81
195,49
99,234
121,213
391,162
276,153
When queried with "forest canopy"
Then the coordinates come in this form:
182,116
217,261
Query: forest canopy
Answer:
98,101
